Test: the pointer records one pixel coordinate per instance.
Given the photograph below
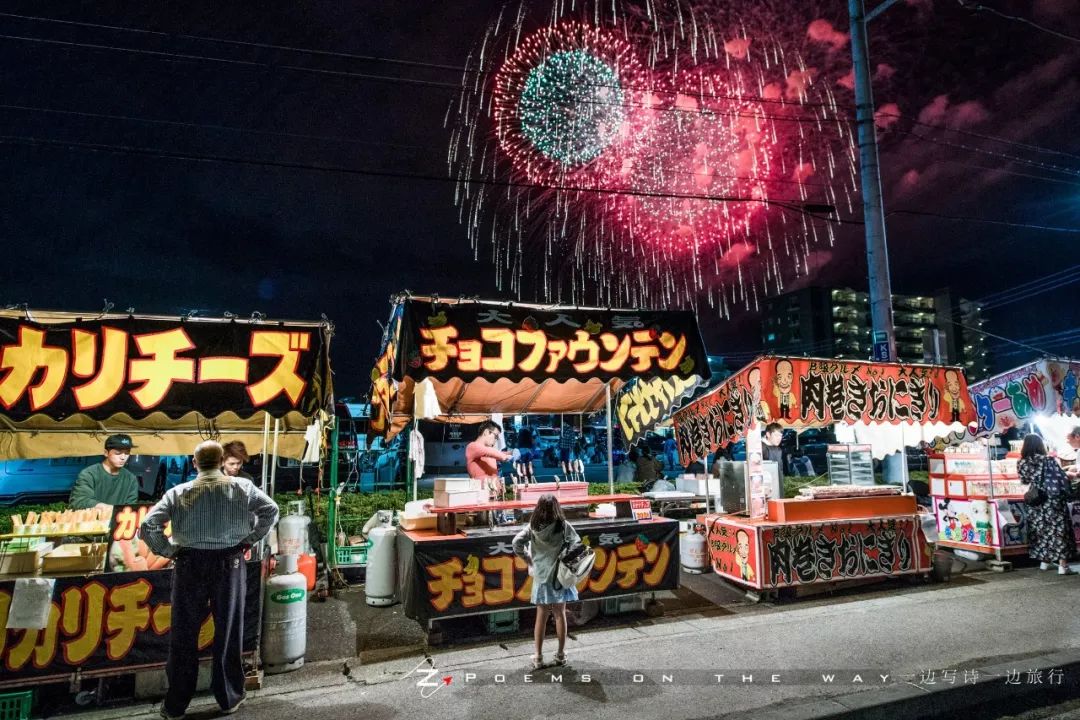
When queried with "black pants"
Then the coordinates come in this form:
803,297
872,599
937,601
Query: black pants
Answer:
217,578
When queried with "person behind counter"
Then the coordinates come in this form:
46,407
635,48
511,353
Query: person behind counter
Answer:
215,519
1073,438
107,482
770,446
235,457
482,455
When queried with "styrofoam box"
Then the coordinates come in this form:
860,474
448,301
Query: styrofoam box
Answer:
451,485
697,484
417,522
460,498
566,490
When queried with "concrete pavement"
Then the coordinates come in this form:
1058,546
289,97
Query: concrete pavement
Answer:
937,645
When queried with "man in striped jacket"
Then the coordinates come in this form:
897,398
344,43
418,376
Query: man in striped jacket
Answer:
215,519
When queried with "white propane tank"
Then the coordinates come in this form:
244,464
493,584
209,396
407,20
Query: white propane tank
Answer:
293,530
284,640
694,556
381,580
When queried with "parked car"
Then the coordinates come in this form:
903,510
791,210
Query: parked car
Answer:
51,479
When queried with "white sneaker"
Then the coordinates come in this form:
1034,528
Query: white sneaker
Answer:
1065,570
1044,566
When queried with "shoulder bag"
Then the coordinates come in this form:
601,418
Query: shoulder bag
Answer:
1036,495
574,564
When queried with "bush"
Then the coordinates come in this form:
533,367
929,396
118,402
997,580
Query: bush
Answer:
6,513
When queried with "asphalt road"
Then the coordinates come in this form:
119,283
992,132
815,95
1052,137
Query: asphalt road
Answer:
985,625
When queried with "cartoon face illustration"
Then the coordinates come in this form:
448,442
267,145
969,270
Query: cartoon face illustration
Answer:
754,379
952,383
742,546
785,375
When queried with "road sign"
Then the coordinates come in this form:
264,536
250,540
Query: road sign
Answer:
881,352
880,336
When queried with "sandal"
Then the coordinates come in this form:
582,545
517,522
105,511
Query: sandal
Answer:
538,662
560,659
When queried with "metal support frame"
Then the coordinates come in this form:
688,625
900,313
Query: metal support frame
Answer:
332,498
610,441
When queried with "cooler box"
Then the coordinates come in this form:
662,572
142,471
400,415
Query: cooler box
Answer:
452,485
698,484
567,490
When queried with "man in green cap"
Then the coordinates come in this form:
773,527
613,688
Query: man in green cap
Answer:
107,482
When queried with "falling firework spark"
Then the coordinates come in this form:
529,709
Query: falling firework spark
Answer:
622,153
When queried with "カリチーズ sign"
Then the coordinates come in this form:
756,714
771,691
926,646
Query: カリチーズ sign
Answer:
138,366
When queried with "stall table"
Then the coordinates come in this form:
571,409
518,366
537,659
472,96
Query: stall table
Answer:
474,571
804,542
979,503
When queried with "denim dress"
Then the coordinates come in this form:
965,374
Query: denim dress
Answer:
543,547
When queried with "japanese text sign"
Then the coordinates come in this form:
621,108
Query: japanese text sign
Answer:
810,392
642,404
138,366
461,577
1044,387
473,339
106,622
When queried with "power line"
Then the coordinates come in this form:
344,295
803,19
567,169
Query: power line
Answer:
967,5
961,218
456,68
194,157
1051,281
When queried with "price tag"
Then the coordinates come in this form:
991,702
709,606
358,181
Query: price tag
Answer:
641,508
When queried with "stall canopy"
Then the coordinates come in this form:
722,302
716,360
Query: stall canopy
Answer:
1044,391
887,405
462,360
67,381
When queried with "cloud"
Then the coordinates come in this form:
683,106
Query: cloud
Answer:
965,114
798,81
802,171
823,31
887,115
738,48
884,71
738,253
909,181
847,81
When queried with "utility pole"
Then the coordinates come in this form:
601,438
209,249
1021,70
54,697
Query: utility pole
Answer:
877,254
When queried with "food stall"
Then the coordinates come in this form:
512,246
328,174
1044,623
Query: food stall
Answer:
82,597
464,360
978,498
832,533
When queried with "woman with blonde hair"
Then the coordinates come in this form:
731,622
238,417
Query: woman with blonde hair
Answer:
541,543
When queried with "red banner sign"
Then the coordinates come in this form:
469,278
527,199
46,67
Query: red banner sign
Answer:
809,392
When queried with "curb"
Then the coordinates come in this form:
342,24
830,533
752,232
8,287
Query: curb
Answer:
922,702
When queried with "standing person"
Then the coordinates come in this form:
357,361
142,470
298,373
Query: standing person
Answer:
770,447
108,482
215,519
1050,521
525,443
670,452
482,455
541,543
1073,438
234,458
647,468
566,443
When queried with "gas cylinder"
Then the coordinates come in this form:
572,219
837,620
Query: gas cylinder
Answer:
293,530
306,566
694,556
285,619
381,579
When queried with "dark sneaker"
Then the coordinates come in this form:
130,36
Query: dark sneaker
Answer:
167,716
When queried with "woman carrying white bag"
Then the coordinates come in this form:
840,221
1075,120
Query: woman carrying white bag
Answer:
544,542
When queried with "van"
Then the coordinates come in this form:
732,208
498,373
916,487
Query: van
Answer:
46,480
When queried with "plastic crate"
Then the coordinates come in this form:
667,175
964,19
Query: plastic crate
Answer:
349,556
623,604
16,705
502,622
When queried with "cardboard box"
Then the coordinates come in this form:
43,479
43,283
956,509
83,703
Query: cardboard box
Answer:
74,557
23,562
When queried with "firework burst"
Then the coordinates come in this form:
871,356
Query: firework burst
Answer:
630,154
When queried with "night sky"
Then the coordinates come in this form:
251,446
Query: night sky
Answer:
258,228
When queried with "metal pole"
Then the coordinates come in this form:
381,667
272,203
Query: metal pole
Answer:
410,471
993,502
265,455
332,499
273,460
610,442
877,255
